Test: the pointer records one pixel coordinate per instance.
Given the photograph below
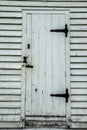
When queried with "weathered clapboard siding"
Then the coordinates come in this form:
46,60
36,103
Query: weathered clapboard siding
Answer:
78,67
10,58
10,69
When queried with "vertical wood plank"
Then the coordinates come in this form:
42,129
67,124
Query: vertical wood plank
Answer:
35,89
58,65
28,70
48,65
42,71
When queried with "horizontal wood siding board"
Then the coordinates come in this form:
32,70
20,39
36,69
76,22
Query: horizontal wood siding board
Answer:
78,84
79,78
78,46
10,98
79,91
9,118
9,78
10,9
80,28
19,9
79,66
10,105
10,21
79,40
10,52
10,59
78,53
10,92
10,72
80,125
79,112
11,33
10,27
79,60
11,124
10,40
79,105
11,46
78,15
10,85
78,72
10,14
79,118
5,111
78,22
59,4
78,34
60,0
10,66
79,98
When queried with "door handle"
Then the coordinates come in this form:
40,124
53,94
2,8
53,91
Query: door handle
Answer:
29,66
65,95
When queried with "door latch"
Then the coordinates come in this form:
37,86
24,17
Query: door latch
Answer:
28,46
65,30
25,59
66,95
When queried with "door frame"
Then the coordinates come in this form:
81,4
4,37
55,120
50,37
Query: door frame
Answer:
24,44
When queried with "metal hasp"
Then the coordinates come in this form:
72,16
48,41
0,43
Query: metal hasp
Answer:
62,30
66,95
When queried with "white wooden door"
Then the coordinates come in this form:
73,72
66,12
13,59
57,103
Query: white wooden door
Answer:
46,51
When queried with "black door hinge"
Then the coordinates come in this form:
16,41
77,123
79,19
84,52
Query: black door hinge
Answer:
65,95
65,30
